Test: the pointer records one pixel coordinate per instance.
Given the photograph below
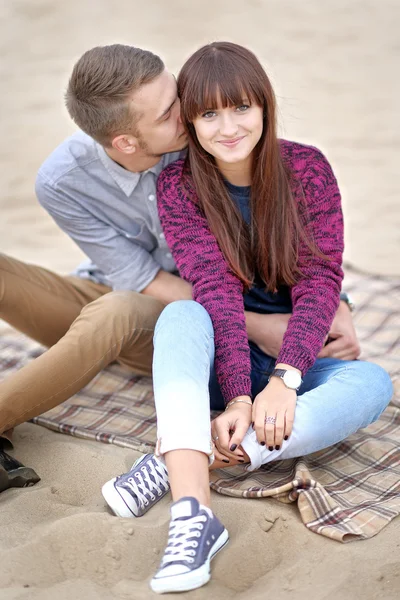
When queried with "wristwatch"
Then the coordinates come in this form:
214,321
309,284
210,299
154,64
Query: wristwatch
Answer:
292,379
349,301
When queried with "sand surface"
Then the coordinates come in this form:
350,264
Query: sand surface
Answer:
334,65
60,540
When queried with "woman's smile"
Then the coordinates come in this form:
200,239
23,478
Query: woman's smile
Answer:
231,143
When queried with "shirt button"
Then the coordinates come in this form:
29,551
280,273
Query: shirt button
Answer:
168,255
162,236
151,197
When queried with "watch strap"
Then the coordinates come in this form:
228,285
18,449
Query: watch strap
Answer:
281,373
278,373
346,298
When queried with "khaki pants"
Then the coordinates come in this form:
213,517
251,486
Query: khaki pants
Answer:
85,326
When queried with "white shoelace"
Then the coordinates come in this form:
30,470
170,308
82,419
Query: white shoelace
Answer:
144,486
180,540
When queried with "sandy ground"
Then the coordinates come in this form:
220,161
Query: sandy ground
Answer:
59,541
333,64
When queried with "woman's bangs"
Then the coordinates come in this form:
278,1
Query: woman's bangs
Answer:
218,89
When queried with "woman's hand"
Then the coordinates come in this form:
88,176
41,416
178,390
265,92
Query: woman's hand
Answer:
273,413
229,429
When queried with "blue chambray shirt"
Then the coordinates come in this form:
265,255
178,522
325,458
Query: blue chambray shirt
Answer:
111,213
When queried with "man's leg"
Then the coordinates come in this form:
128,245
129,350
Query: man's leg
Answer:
118,325
42,304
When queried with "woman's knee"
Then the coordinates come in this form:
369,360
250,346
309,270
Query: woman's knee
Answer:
187,314
364,392
374,382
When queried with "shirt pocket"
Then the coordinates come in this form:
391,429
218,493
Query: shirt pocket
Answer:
139,234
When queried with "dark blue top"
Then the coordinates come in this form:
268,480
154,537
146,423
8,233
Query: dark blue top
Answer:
257,299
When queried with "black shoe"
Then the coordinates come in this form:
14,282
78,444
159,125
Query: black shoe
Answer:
15,474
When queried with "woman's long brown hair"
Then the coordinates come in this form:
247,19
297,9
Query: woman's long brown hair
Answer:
223,74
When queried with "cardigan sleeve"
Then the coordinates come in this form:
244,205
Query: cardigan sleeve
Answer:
201,262
315,297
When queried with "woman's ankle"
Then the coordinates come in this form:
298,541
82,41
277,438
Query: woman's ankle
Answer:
188,475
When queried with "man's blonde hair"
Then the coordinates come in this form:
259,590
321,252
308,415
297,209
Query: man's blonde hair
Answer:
103,79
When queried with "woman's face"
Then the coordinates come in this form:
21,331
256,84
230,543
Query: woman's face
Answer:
230,134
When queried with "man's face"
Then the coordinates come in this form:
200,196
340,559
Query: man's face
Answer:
160,127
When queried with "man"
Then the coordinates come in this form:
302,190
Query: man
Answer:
99,186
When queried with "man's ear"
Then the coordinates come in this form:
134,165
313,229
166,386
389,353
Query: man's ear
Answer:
127,144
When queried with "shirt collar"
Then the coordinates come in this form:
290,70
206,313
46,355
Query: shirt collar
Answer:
126,180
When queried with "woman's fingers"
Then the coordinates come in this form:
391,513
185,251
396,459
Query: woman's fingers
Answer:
221,438
231,456
279,429
289,420
258,416
273,428
224,455
270,421
237,437
259,428
229,429
221,457
221,428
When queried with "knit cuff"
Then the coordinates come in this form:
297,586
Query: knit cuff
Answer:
235,386
297,358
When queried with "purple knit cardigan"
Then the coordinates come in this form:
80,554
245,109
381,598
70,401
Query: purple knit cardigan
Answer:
315,297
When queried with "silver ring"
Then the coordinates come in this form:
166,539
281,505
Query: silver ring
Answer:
271,420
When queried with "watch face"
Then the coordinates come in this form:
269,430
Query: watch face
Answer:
292,379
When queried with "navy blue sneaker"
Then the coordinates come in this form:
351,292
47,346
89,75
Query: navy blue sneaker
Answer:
135,492
195,536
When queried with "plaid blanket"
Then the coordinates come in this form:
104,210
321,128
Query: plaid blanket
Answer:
347,492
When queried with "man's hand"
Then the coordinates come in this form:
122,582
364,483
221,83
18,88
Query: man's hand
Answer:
267,331
167,288
344,344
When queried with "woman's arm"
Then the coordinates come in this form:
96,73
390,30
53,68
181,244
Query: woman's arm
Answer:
315,297
201,262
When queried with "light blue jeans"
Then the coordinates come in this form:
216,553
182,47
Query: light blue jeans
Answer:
336,397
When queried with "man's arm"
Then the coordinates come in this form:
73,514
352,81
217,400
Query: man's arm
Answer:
126,264
267,332
167,288
342,338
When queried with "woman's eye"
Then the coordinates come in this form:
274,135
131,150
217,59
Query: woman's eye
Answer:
208,114
243,107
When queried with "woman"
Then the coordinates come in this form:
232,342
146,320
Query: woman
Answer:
255,224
